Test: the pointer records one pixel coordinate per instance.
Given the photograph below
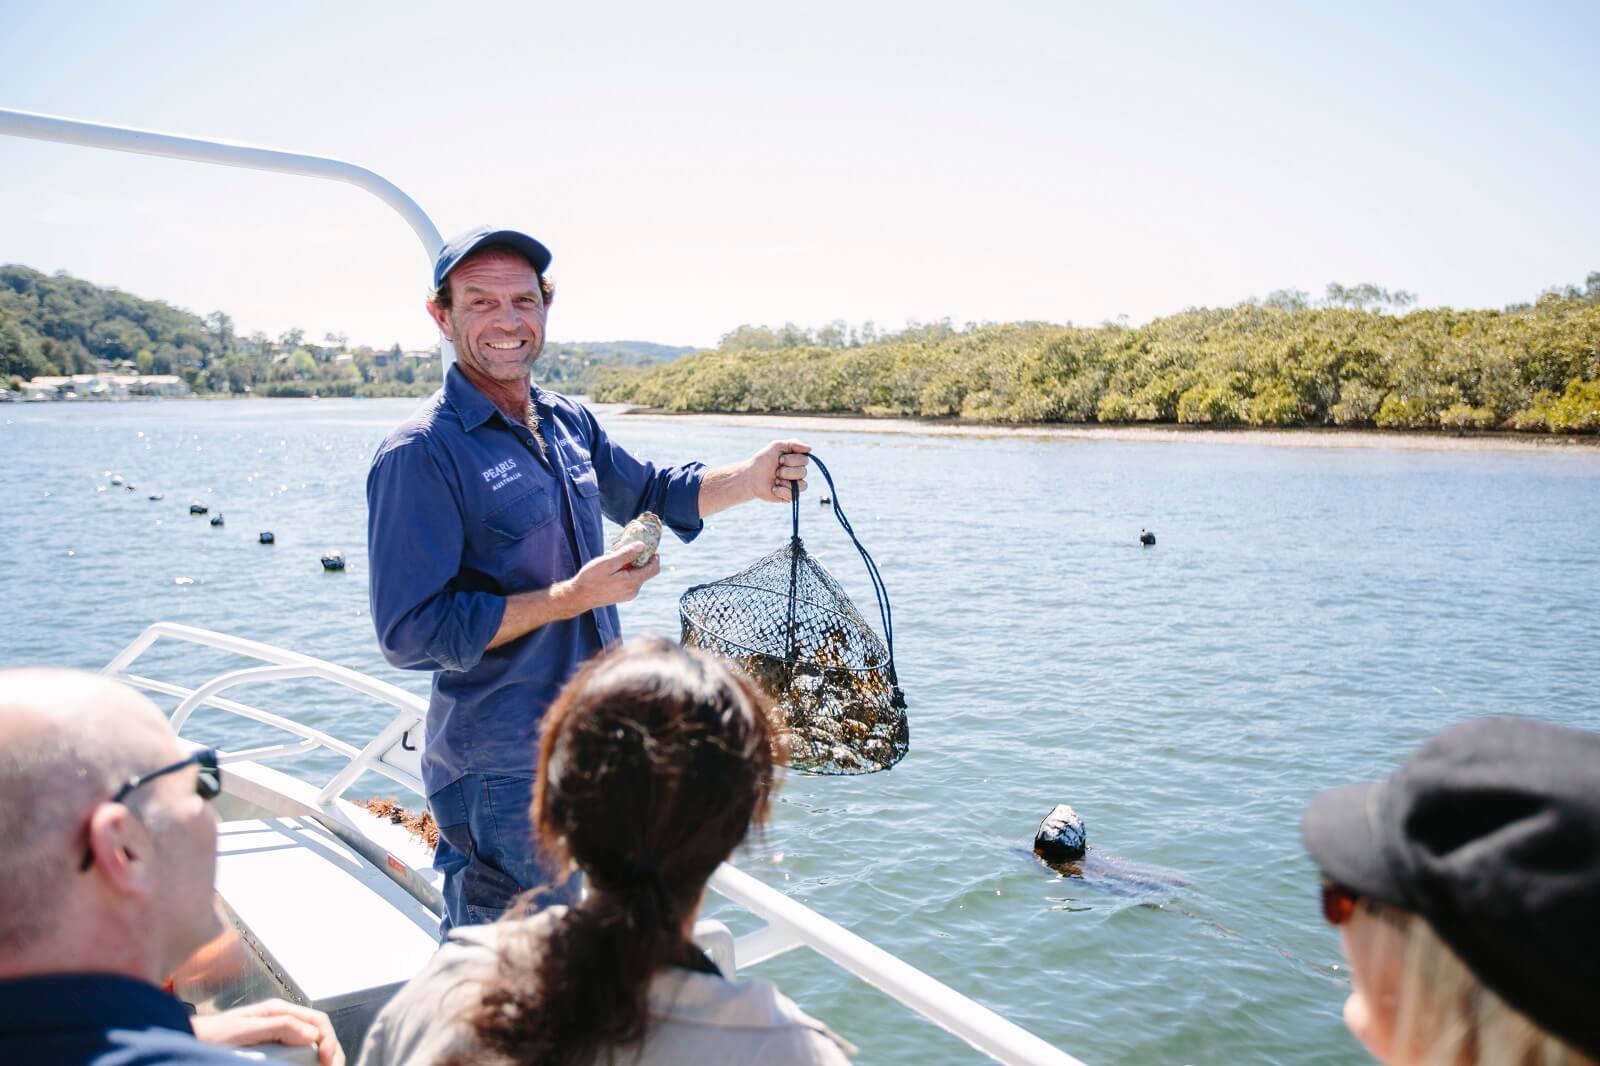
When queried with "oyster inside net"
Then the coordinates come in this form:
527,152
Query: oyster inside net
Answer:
644,531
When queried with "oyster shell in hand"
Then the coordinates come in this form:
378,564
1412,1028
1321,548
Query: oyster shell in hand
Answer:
644,531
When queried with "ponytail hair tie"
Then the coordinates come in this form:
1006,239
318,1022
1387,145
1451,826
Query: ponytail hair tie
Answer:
642,874
634,877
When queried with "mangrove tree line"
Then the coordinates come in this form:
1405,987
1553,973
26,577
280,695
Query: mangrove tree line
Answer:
1354,358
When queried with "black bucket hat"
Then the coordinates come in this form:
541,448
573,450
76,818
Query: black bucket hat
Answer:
1490,831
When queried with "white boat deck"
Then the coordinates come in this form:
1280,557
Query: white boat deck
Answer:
295,886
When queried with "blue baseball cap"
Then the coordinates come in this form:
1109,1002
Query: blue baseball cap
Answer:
462,245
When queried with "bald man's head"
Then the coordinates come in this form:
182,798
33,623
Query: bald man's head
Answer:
68,740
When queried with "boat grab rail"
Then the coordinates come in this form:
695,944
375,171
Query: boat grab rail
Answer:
61,130
284,665
789,923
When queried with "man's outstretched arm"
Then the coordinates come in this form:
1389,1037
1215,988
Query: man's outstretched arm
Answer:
771,474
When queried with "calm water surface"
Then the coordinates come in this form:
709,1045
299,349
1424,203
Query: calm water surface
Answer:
1308,616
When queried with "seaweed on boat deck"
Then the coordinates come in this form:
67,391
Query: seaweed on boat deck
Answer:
420,826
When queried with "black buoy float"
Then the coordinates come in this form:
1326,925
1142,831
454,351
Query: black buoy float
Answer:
1062,836
334,560
216,519
1147,538
825,501
266,537
198,508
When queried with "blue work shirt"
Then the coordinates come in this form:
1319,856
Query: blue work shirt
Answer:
463,511
98,1020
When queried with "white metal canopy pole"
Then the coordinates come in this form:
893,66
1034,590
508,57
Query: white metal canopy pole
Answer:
231,154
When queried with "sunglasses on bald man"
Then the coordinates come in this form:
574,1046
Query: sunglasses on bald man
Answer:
207,784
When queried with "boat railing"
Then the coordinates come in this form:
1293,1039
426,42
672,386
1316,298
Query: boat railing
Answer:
788,924
230,154
285,665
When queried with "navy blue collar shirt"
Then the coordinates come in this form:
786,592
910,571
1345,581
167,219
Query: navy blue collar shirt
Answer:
98,1020
464,510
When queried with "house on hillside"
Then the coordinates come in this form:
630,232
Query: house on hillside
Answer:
104,386
167,385
74,387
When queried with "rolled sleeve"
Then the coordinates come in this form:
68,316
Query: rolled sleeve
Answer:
415,538
629,486
678,489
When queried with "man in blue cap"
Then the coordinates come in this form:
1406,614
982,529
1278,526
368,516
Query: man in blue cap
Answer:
488,560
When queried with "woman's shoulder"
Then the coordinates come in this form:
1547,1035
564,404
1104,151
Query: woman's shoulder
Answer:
428,1018
467,955
811,1041
752,1015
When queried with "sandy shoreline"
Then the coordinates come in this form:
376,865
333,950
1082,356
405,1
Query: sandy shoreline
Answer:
1407,440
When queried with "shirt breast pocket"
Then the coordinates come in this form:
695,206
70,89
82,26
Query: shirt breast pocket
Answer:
515,519
584,480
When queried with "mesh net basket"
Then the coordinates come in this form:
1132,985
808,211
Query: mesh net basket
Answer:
788,624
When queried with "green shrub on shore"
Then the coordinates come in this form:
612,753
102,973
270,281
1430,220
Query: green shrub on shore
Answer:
1575,410
1533,367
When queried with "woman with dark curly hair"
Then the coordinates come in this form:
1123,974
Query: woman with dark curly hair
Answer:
653,763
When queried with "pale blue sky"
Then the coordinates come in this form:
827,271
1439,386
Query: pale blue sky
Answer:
694,166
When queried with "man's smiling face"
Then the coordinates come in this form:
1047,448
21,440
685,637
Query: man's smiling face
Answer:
496,315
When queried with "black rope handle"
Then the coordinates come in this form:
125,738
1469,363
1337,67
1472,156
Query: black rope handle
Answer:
794,507
879,590
792,653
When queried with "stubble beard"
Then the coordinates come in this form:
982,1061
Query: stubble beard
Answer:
480,365
486,366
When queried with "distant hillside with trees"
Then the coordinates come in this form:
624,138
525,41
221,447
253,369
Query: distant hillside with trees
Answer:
1359,356
54,325
62,325
575,368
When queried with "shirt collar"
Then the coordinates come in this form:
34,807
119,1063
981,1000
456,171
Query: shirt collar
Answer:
471,405
87,1001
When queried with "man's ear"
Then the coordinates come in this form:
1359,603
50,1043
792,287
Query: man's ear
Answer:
441,318
124,853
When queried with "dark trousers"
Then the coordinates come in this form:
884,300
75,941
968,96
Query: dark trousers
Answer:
486,850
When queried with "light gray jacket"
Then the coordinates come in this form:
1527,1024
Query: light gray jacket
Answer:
694,1017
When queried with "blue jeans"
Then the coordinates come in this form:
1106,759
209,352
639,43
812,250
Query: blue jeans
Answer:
486,850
